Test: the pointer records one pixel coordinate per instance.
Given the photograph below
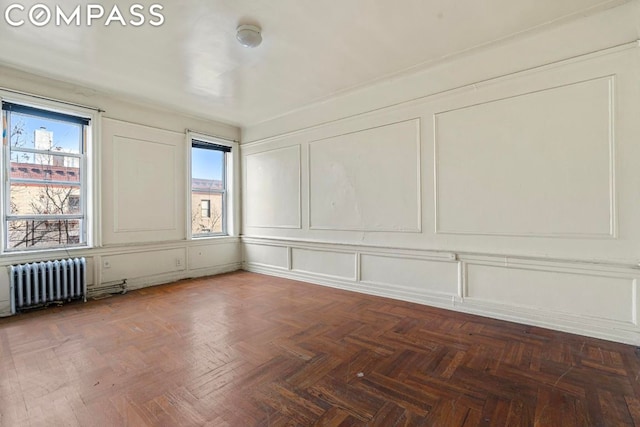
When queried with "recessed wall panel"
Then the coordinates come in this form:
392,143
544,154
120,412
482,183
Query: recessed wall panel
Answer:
142,264
145,181
207,256
272,187
328,263
414,274
142,183
367,180
537,164
273,256
604,297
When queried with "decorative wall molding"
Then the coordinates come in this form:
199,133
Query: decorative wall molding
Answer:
273,193
162,167
337,175
272,255
323,263
599,94
410,273
591,264
599,295
142,184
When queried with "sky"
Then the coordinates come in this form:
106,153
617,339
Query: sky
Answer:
206,164
65,135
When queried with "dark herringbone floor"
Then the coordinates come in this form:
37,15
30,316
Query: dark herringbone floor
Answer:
249,350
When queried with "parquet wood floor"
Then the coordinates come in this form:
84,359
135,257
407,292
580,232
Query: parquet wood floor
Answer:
243,349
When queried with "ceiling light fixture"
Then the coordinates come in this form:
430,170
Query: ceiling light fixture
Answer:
249,35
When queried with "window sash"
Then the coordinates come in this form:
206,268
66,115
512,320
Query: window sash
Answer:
43,217
46,152
204,193
7,109
49,182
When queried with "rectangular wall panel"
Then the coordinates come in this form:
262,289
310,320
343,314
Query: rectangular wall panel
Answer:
538,164
145,177
272,256
207,256
414,274
611,298
336,264
272,188
143,184
142,264
367,180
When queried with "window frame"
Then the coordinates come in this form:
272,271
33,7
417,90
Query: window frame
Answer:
230,211
87,165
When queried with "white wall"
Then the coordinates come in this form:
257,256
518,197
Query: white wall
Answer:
513,196
141,159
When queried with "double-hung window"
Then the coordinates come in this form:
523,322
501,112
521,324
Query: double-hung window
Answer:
45,175
209,188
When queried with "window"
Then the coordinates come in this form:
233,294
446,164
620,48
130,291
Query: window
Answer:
209,192
45,171
74,203
206,208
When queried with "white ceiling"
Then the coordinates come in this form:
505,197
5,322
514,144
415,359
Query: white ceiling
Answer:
312,49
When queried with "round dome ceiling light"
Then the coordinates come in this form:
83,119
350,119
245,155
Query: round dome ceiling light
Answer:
249,35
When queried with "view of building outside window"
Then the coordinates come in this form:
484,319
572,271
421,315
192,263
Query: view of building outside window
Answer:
44,182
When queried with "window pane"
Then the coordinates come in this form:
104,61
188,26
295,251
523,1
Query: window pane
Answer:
44,199
207,167
32,234
201,223
39,133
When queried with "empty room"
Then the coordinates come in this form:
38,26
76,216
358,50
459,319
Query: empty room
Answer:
305,213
